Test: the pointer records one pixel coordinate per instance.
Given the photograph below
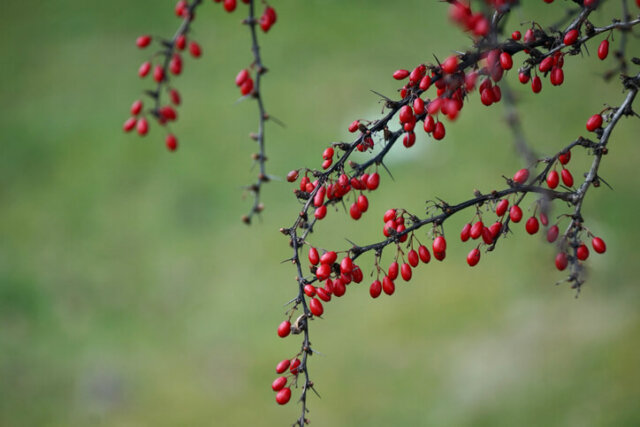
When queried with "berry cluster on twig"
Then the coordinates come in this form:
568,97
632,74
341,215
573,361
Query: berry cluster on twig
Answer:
167,62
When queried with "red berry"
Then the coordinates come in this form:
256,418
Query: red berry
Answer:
561,261
283,366
473,257
279,383
412,257
439,244
515,213
230,5
564,157
553,179
316,307
425,83
323,294
429,124
181,7
171,142
136,107
175,65
598,245
438,131
594,122
487,236
603,49
418,106
373,181
144,69
389,215
543,219
375,289
323,272
536,84
567,178
516,35
346,265
357,274
546,64
310,290
195,49
320,212
524,78
466,232
532,226
339,287
557,76
328,153
450,65
393,270
405,272
175,96
354,126
242,77
158,73
283,396
552,234
284,329
529,36
355,212
142,126
328,258
506,62
401,74
502,207
521,176
495,229
440,255
129,124
314,258
582,252
424,254
363,203
181,42
247,87
293,368
571,37
388,286
143,41
292,176
476,230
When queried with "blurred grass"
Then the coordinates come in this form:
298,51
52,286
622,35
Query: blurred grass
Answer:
131,294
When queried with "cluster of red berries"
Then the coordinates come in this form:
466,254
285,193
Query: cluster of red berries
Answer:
169,61
333,190
244,82
477,23
532,226
279,385
394,223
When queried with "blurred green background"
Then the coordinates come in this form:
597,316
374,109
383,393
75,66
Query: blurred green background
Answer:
132,295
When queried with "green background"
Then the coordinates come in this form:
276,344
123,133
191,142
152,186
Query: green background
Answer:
132,295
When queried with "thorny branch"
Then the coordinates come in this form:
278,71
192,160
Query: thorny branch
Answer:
260,156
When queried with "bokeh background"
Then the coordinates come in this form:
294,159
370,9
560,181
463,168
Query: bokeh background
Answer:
132,295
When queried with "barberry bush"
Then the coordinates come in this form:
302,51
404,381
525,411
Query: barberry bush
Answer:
430,99
134,294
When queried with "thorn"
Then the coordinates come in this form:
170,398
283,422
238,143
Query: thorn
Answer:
388,171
